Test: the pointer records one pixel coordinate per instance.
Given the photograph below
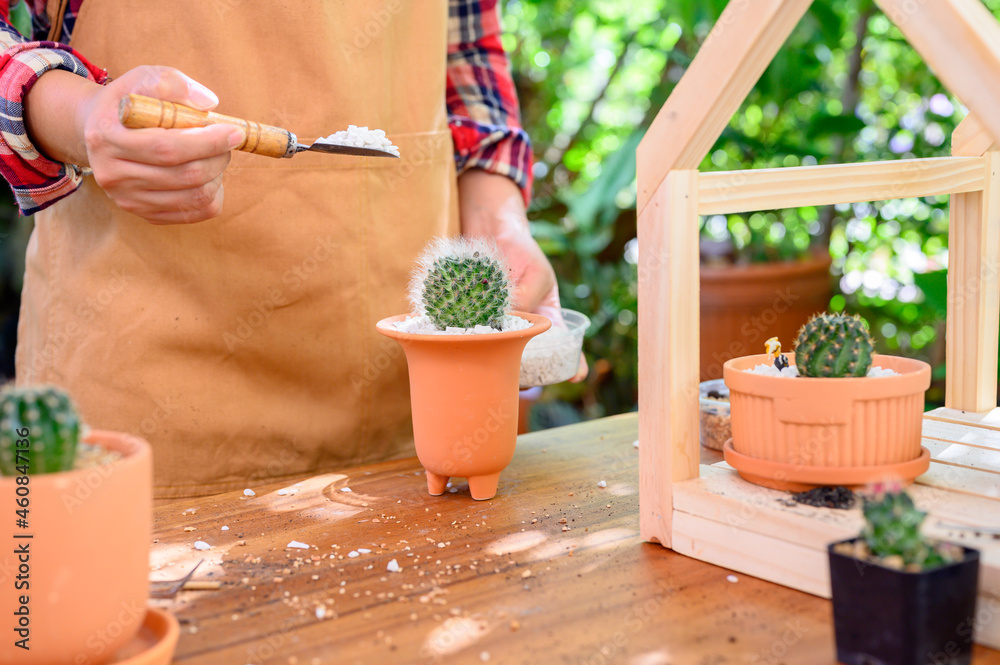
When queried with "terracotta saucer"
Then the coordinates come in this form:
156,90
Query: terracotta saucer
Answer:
155,642
799,478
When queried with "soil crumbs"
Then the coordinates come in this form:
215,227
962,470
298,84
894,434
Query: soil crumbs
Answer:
840,498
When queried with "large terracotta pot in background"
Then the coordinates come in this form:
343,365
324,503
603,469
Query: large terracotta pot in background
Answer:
464,396
798,433
88,560
742,306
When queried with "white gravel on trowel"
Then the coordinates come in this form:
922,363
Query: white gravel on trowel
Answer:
201,545
792,371
297,545
422,325
249,492
393,566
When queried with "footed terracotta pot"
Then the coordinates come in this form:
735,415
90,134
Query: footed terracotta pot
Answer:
87,562
799,433
464,396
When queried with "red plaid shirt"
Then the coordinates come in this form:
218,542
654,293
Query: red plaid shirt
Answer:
482,103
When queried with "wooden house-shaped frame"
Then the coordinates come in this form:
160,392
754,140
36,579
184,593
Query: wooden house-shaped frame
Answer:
706,511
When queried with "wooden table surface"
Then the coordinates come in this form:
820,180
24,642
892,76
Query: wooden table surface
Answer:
550,571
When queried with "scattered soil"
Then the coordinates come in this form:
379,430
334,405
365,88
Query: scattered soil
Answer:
840,498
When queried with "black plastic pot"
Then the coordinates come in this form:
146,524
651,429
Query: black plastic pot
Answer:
883,616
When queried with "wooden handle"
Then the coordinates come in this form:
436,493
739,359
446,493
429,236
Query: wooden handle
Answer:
139,112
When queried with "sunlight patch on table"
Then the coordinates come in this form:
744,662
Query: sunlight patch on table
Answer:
454,635
516,542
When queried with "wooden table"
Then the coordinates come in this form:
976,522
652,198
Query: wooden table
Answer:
550,571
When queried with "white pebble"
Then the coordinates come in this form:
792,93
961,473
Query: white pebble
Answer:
352,554
453,490
732,578
320,612
484,656
282,492
297,545
362,550
393,566
635,444
249,492
878,371
602,484
345,489
201,545
225,528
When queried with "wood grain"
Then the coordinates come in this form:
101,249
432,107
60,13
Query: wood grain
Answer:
596,593
668,348
740,46
971,139
960,41
140,112
724,192
974,294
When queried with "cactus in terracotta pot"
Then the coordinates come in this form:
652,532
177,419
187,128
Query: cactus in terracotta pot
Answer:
48,413
463,386
461,283
834,345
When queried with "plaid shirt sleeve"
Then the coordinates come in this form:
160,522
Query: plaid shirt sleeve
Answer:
482,102
37,181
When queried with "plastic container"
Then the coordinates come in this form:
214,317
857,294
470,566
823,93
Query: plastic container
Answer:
715,427
554,356
894,617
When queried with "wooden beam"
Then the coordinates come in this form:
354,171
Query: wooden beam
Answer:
767,189
668,350
765,556
974,294
734,55
970,139
960,41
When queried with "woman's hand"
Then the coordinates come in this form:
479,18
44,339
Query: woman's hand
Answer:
166,176
491,205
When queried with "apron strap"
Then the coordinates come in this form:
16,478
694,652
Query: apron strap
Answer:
56,19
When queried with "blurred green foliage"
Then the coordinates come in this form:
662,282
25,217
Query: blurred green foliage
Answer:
845,87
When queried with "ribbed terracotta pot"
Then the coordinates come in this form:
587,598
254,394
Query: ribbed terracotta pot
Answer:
743,305
799,433
87,565
464,397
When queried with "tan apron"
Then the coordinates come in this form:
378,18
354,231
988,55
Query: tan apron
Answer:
243,348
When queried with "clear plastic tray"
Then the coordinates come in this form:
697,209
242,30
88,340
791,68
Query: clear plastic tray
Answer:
554,356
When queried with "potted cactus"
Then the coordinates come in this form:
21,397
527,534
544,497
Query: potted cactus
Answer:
899,598
463,350
838,414
80,537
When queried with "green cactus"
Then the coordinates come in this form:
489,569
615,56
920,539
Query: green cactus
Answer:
462,283
892,531
46,418
834,345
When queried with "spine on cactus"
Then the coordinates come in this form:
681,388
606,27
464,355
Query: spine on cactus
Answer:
461,282
834,345
46,418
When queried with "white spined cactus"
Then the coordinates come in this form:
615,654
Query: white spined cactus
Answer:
461,283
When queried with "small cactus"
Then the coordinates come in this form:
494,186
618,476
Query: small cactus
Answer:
461,282
834,345
892,533
46,418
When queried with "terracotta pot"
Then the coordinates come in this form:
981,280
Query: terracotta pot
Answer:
742,306
464,396
87,561
795,434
